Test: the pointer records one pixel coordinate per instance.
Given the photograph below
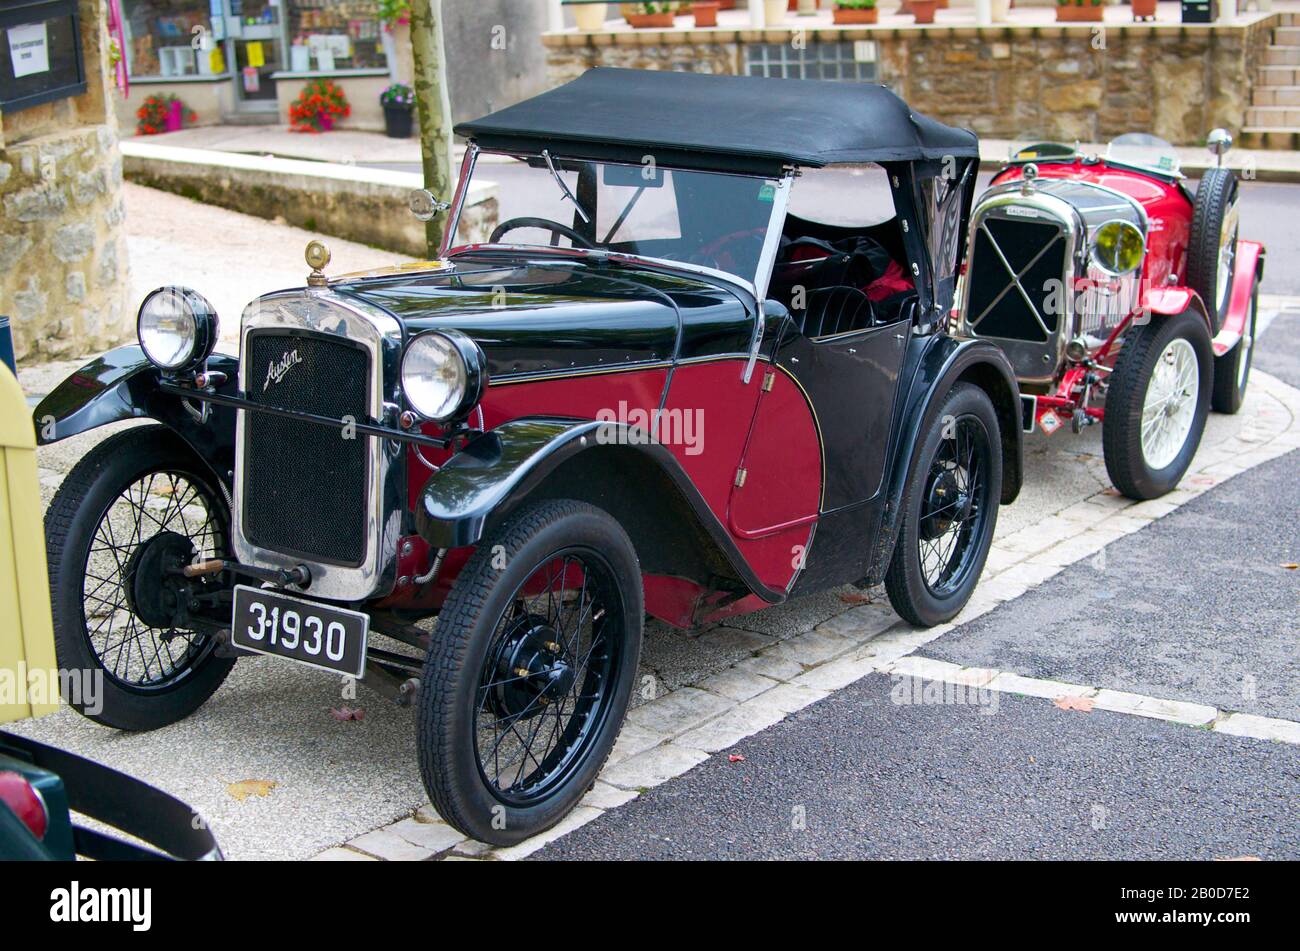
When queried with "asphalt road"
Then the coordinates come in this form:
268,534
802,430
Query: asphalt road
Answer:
1196,606
871,779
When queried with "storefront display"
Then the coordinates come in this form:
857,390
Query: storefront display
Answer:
337,35
252,56
180,38
169,38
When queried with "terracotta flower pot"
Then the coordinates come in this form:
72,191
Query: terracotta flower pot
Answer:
589,17
706,14
923,10
1088,13
1144,9
642,21
856,15
726,4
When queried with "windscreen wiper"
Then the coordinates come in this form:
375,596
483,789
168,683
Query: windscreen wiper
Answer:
546,155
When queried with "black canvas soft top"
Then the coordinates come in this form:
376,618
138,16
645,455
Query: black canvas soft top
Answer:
727,123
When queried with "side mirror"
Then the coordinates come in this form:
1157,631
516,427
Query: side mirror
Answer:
1218,142
424,205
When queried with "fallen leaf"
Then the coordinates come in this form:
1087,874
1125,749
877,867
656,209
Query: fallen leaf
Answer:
1241,858
735,758
251,787
1081,704
1290,565
852,597
348,713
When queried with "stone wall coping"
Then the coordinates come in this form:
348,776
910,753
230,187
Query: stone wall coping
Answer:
1246,23
479,192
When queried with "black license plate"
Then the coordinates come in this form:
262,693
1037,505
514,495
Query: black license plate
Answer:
321,635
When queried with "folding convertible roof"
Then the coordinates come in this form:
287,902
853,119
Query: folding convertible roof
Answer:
725,123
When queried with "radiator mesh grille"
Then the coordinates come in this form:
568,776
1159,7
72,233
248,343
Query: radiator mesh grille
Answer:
305,485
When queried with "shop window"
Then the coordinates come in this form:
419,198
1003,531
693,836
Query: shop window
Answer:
40,53
329,35
172,38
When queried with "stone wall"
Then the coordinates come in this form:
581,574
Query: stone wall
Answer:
1016,82
63,258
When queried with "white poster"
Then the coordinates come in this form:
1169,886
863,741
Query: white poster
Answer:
29,49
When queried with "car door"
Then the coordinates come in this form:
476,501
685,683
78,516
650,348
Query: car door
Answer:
849,382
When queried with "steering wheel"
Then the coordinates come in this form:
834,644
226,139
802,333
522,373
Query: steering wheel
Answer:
546,224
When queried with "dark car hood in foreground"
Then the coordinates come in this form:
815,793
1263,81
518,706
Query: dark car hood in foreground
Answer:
533,315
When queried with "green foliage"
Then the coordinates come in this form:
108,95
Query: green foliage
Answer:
394,11
856,4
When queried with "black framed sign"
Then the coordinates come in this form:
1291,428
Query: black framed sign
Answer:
40,53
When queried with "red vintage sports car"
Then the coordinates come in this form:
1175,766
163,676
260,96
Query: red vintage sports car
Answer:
1106,279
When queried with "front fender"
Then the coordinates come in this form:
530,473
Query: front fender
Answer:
122,384
460,497
1172,300
500,468
1248,269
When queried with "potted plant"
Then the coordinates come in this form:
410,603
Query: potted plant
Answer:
651,15
1077,11
774,10
1144,10
856,11
706,12
923,10
588,15
320,104
398,101
162,114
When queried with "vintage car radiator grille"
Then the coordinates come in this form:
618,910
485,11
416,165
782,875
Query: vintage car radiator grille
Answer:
1015,280
305,485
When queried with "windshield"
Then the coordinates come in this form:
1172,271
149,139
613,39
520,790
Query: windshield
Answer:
1144,151
704,218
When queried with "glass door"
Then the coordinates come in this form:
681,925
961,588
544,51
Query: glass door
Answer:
255,31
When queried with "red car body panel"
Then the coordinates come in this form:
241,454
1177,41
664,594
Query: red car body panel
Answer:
771,522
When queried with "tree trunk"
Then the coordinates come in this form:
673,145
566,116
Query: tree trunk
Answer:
430,83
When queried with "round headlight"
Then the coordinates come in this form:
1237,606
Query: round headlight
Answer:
1117,247
177,328
443,375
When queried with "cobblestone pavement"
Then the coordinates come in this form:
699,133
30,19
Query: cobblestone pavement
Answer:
350,790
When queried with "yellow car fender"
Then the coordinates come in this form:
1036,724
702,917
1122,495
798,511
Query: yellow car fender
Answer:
28,669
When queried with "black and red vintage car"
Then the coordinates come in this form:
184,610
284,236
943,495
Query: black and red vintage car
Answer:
685,399
1117,294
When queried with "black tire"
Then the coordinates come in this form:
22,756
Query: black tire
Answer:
1122,438
1232,370
1215,204
966,417
76,519
461,695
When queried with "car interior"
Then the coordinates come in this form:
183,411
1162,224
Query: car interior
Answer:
850,275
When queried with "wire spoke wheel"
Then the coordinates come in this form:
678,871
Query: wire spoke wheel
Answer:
1169,408
955,503
172,508
545,686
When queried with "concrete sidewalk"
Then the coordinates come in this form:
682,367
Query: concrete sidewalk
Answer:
371,148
